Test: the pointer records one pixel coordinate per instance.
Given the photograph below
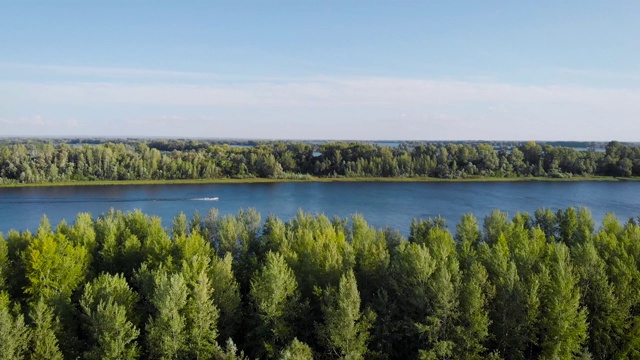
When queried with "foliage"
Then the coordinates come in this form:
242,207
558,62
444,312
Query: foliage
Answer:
54,160
551,285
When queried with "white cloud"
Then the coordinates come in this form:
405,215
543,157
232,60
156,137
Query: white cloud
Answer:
37,125
111,73
330,107
322,92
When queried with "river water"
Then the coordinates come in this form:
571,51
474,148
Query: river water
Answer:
382,204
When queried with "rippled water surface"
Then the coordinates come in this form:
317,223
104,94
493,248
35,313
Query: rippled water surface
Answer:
382,204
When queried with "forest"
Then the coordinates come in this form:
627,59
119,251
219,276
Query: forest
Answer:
42,161
548,285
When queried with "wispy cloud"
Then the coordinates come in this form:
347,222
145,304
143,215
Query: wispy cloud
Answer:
327,92
322,107
110,72
38,125
598,74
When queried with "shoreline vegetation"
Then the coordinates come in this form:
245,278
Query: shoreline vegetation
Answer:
547,285
315,179
45,162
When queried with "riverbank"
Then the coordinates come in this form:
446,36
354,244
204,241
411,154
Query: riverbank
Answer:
316,179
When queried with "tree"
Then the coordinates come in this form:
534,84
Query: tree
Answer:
54,266
44,343
467,237
439,324
109,305
167,333
82,232
563,326
4,263
605,317
514,309
371,255
14,333
156,244
201,314
567,225
346,329
114,335
296,350
547,221
412,267
16,281
226,296
179,227
473,331
318,252
274,296
494,224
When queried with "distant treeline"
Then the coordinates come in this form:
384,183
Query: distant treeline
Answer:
36,161
120,286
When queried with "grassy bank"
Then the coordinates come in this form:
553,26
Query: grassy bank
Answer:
315,179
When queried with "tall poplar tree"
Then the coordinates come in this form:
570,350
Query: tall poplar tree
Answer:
274,295
346,328
44,324
14,333
109,307
201,312
167,328
563,326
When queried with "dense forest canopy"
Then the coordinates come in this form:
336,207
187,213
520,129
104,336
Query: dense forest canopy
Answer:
545,285
34,161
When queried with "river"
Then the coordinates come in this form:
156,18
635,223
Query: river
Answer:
382,204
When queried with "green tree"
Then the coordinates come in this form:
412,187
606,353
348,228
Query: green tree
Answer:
226,296
346,328
201,314
467,237
567,225
44,342
439,326
4,263
14,333
82,232
495,224
16,281
274,296
296,350
563,326
412,267
167,332
179,228
513,311
473,332
54,266
156,245
109,307
55,269
547,221
372,257
605,317
114,335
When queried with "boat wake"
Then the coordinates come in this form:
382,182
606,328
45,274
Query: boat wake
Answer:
97,200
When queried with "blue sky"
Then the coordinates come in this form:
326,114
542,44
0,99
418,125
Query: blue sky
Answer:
434,70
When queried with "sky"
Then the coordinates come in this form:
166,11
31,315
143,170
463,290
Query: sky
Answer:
344,70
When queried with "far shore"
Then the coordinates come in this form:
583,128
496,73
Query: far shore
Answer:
316,179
